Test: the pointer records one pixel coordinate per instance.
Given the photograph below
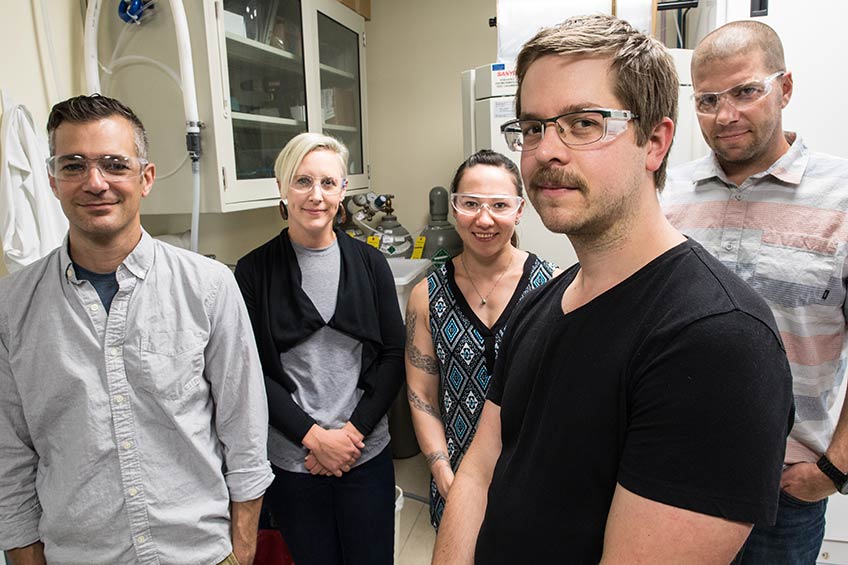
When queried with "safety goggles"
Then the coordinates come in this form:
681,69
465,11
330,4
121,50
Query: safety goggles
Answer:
741,96
328,185
500,205
114,168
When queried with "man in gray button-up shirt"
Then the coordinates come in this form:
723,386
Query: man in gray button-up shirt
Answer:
133,417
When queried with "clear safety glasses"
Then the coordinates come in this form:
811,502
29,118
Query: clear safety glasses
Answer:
328,185
575,129
500,205
113,168
740,96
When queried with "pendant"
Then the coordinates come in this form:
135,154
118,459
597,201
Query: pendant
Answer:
482,302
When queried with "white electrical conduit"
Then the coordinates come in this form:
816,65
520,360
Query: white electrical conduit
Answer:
92,78
46,51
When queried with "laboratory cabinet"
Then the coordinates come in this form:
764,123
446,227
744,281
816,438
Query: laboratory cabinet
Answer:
265,71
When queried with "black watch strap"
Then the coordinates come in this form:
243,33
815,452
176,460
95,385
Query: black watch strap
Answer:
839,478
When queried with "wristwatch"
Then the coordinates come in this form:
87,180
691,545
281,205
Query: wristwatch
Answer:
839,478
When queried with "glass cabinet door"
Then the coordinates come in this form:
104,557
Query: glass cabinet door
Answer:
338,55
267,88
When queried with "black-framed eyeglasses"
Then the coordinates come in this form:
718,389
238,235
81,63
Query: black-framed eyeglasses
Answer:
112,167
740,96
575,129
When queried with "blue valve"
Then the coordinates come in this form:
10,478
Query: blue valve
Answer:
131,10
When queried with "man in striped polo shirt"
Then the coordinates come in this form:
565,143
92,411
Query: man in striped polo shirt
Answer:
775,213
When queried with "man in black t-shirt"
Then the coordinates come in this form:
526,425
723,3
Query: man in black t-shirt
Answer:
641,401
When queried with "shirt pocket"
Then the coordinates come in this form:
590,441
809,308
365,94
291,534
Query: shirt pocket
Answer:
795,270
171,362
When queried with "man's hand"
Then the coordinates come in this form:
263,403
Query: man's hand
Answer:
805,481
244,519
334,450
32,554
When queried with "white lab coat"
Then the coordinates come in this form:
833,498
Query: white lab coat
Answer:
31,220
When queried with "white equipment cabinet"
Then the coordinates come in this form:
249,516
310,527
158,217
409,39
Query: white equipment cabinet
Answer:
265,71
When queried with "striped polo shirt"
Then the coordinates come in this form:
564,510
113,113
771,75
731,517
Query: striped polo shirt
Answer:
784,231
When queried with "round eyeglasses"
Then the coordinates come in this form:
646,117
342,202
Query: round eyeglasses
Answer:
500,205
328,185
575,129
741,96
113,168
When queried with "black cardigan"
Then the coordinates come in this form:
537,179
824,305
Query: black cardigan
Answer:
282,316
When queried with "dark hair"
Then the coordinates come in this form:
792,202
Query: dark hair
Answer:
491,159
84,109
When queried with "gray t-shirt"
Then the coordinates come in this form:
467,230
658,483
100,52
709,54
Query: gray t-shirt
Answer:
325,367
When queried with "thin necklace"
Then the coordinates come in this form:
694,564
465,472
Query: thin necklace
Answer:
483,299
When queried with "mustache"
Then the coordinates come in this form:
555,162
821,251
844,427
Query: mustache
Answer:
558,177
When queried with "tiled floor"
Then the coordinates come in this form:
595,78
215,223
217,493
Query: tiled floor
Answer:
416,536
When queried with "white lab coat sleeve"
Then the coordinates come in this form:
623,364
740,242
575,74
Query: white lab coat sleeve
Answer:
31,220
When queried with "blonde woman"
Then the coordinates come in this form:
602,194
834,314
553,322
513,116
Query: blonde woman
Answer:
330,336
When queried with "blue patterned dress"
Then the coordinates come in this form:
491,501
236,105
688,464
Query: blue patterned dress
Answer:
466,350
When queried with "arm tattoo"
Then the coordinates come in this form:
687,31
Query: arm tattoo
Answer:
437,456
426,363
419,404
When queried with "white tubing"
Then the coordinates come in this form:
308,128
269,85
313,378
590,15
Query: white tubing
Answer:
129,60
186,65
195,204
190,104
92,80
89,52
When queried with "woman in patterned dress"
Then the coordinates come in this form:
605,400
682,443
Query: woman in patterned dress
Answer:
456,317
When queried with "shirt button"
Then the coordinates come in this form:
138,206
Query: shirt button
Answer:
127,444
729,247
133,491
119,398
94,307
738,197
140,539
114,351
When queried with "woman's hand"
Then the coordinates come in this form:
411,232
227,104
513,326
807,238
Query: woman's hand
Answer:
335,451
443,476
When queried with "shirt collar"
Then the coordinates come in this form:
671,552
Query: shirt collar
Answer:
137,263
788,169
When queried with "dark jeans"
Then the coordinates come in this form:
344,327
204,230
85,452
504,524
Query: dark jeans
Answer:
334,521
795,539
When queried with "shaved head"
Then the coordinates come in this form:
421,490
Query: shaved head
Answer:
740,37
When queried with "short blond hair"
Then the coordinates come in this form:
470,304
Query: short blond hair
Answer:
299,147
645,78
